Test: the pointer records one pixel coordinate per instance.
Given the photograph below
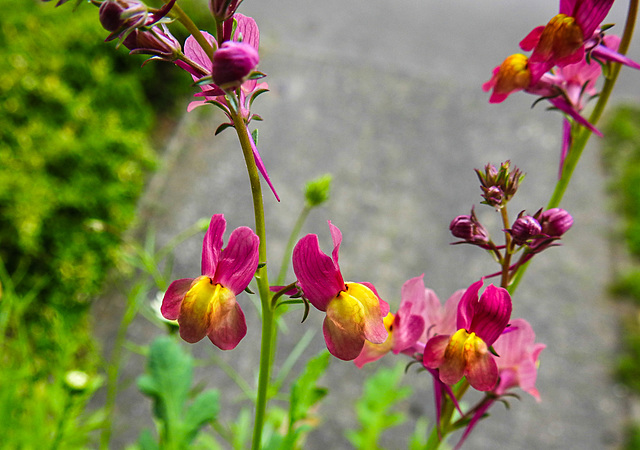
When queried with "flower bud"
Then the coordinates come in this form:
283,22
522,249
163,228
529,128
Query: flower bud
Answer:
223,9
232,64
499,185
524,229
157,42
555,222
469,229
316,192
111,13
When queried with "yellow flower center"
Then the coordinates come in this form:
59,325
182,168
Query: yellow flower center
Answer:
514,74
561,37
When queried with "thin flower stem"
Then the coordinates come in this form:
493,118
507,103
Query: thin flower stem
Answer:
191,27
268,332
506,261
583,135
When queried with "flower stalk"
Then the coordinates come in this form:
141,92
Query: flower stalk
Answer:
268,316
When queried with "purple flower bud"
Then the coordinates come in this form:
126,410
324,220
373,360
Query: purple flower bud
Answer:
223,9
157,42
555,222
111,13
524,229
232,64
469,229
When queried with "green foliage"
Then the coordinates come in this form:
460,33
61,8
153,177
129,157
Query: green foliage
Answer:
168,383
73,145
375,409
305,395
38,402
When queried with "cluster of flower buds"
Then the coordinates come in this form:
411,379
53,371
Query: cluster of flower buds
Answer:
499,185
136,26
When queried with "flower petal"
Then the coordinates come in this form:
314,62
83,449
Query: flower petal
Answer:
196,310
433,355
212,245
229,329
481,369
317,274
248,28
372,319
261,168
170,308
239,260
492,314
467,305
343,336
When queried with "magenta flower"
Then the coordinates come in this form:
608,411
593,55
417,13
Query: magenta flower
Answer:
355,312
157,41
562,41
206,305
199,65
466,353
232,64
122,17
420,315
517,366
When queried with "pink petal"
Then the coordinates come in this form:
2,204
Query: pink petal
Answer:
194,52
467,305
170,308
317,274
212,245
589,14
229,330
433,355
481,372
239,260
492,314
343,338
564,106
249,30
384,306
261,168
336,236
531,40
448,323
406,332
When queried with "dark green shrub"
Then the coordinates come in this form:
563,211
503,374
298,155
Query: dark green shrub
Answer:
74,149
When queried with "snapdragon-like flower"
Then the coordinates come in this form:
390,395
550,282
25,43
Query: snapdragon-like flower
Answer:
354,311
198,63
517,366
206,305
562,41
419,316
466,353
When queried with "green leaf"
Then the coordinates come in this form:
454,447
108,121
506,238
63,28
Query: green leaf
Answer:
304,392
375,409
204,409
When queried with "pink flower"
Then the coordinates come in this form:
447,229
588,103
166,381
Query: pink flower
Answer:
206,305
354,310
517,367
420,315
562,41
466,353
232,64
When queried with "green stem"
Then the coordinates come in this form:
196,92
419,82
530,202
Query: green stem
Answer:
508,251
261,277
295,232
582,136
191,27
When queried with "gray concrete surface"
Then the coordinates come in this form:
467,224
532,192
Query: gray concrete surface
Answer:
386,97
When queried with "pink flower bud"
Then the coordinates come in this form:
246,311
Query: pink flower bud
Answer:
524,229
469,229
157,42
555,222
232,64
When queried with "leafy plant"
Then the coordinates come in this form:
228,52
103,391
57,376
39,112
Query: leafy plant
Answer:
376,409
